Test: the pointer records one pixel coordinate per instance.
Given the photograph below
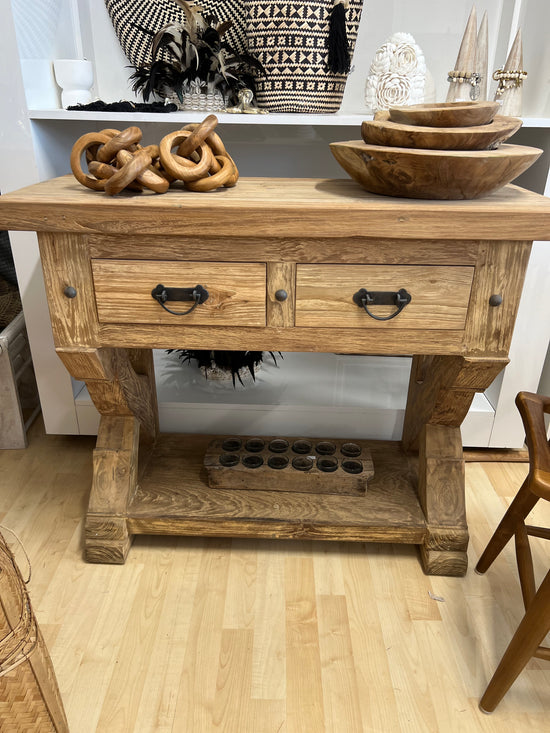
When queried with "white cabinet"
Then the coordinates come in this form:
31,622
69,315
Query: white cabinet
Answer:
35,144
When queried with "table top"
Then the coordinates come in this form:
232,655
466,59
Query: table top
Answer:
275,207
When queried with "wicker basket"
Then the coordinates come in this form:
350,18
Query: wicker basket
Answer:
290,39
29,695
135,20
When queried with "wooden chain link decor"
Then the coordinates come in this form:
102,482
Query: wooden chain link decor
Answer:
115,159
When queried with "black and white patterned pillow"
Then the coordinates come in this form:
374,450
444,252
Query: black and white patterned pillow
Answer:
130,17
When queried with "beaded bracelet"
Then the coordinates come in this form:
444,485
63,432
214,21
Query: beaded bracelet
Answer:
508,80
467,77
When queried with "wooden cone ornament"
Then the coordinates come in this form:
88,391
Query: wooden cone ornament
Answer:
463,80
510,81
482,57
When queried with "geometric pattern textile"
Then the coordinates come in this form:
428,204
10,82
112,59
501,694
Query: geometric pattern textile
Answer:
290,40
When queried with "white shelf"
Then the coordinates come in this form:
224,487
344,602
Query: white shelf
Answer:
336,119
183,116
536,122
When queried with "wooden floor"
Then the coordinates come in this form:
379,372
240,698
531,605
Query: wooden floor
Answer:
246,636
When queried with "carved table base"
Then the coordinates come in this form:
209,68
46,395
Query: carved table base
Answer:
160,487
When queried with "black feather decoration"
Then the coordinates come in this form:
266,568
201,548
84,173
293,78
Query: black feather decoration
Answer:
122,106
193,54
232,362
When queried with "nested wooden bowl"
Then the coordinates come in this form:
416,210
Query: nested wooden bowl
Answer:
432,174
382,131
446,114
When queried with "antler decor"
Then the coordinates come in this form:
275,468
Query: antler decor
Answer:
116,160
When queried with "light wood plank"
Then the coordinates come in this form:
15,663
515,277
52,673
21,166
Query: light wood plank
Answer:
157,708
142,646
277,250
269,658
411,679
281,279
340,688
65,265
500,270
87,651
233,681
198,681
259,206
239,609
304,690
370,652
175,478
348,341
119,711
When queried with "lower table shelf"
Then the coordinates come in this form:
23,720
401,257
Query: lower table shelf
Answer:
173,497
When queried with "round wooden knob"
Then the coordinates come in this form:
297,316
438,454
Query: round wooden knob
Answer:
281,295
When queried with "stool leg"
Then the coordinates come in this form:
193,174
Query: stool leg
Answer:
524,501
525,642
525,565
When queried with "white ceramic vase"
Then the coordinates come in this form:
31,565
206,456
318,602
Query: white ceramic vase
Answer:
75,77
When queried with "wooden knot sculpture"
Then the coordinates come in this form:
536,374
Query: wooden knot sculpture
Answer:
115,159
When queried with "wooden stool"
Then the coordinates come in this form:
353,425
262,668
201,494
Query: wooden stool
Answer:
536,622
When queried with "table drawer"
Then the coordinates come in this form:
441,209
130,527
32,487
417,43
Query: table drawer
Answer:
439,296
236,292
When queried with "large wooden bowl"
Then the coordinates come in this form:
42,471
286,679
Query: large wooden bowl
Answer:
432,174
446,114
382,131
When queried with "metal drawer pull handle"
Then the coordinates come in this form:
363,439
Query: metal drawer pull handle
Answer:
364,298
197,294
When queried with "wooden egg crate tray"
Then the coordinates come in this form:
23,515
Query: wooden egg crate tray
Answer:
306,465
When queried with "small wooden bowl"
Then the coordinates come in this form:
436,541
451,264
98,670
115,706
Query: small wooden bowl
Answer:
382,131
432,174
446,114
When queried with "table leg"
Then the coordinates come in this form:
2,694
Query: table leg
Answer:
115,458
441,390
121,385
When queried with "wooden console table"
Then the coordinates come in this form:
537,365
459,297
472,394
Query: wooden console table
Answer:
281,260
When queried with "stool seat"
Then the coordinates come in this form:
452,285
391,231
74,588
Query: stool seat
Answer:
535,624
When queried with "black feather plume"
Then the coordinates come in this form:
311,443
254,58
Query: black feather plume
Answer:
232,362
